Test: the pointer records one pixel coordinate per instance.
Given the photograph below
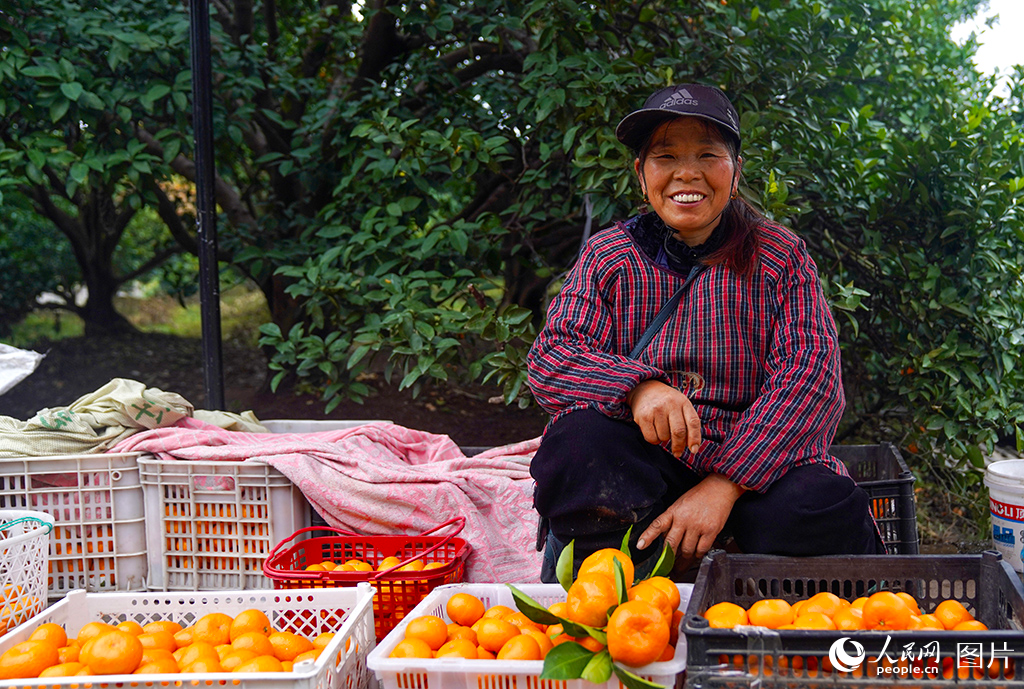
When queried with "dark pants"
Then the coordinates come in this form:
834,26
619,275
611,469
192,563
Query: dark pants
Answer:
597,476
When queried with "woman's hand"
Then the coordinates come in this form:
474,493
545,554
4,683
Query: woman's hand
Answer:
665,414
693,521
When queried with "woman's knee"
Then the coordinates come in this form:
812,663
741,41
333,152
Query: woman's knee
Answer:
809,511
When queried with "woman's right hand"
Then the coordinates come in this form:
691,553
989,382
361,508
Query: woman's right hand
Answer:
665,414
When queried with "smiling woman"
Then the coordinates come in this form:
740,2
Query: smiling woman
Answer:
691,367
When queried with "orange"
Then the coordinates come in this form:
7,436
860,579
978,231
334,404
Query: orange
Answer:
886,611
771,613
849,618
261,664
951,613
668,654
151,655
558,608
459,632
256,642
910,601
314,653
589,599
68,654
725,615
190,654
498,611
970,626
287,645
113,653
322,640
653,595
669,588
91,629
233,659
457,648
213,628
51,633
554,630
603,562
164,640
493,633
388,563
27,659
520,620
590,643
430,628
204,664
797,607
412,648
435,565
414,566
359,565
464,609
637,633
930,622
824,602
542,640
162,626
673,629
813,620
63,670
164,666
859,602
248,621
130,626
483,654
521,647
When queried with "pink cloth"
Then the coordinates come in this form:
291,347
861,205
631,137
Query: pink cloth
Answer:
381,478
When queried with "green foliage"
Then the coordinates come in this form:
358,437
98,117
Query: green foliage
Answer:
33,260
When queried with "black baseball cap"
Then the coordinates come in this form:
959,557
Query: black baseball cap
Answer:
693,100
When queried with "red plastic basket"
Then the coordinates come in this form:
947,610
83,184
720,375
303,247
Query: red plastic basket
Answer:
398,592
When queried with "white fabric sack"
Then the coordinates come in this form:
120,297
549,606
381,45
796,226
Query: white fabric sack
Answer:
16,365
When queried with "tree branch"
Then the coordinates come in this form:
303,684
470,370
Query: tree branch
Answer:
149,265
224,194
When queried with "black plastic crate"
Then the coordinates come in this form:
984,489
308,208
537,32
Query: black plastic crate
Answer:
884,476
753,656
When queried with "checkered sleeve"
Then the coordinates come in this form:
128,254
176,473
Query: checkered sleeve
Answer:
796,412
572,363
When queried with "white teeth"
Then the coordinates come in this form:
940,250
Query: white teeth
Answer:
687,198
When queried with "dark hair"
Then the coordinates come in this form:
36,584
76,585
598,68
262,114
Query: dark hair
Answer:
740,220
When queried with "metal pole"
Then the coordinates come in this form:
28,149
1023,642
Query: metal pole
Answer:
206,210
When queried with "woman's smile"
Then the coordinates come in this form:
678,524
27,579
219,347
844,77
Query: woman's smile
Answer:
688,173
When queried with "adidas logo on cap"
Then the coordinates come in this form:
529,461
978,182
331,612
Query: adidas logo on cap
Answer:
680,97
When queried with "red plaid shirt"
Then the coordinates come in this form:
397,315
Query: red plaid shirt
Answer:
758,357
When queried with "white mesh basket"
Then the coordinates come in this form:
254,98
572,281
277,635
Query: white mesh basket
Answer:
24,561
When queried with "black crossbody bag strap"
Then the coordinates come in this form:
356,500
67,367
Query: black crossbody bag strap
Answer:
664,314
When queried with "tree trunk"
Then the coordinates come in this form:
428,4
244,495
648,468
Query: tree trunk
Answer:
99,314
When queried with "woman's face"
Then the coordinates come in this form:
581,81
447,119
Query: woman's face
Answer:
688,174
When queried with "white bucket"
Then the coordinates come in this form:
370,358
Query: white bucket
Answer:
1005,481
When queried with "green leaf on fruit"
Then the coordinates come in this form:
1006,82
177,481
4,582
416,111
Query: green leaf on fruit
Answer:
621,587
599,669
625,542
566,661
666,561
580,630
563,568
631,681
532,609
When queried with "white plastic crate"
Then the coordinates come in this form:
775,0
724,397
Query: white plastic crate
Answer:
347,612
24,544
457,673
211,524
99,536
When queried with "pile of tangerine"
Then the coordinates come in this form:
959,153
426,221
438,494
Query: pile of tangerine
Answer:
215,643
884,611
640,631
355,565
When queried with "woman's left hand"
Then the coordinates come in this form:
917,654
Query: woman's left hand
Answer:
693,521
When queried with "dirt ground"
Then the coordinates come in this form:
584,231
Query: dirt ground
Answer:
76,366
